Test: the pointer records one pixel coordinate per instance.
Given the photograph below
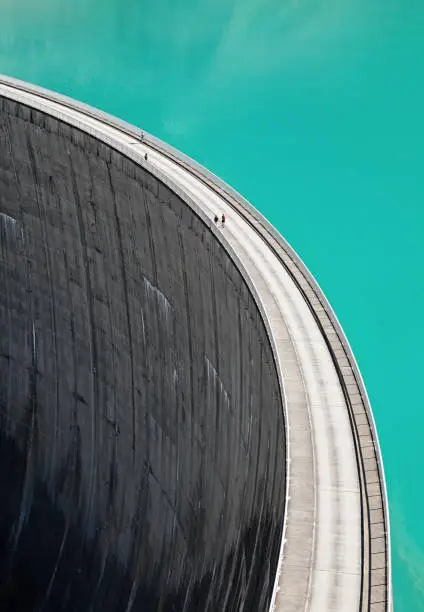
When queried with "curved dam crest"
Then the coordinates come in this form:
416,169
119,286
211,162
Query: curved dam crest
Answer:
333,554
142,435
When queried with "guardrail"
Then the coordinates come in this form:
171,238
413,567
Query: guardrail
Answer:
269,234
371,532
266,228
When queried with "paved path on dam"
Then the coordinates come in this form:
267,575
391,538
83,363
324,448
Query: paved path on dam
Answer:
322,564
327,560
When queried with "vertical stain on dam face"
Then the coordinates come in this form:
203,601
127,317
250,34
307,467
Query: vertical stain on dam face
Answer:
138,393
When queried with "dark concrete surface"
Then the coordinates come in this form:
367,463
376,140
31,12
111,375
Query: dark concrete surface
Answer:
142,445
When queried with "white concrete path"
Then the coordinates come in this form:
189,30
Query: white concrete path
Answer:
321,562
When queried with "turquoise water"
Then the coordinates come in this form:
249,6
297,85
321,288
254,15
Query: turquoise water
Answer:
313,109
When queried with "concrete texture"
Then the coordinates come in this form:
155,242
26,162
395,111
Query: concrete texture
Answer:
335,550
142,437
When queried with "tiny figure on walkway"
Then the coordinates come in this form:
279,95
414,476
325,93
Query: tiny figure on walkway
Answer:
216,219
145,156
223,220
141,135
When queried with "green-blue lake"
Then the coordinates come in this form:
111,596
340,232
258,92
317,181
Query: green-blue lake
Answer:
314,110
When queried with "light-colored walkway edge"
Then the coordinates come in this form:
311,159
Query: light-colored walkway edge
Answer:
377,530
377,593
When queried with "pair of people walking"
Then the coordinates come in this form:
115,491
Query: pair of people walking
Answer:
141,140
216,219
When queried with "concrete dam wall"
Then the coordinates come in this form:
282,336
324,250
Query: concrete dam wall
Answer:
142,440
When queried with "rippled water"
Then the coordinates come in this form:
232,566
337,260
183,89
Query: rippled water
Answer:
313,109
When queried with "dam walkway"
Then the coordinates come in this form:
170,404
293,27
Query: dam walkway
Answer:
335,552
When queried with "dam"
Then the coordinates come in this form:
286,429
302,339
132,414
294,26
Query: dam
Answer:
183,425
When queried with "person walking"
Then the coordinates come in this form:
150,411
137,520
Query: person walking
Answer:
145,156
216,219
223,220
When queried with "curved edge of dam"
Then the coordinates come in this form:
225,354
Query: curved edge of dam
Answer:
325,400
